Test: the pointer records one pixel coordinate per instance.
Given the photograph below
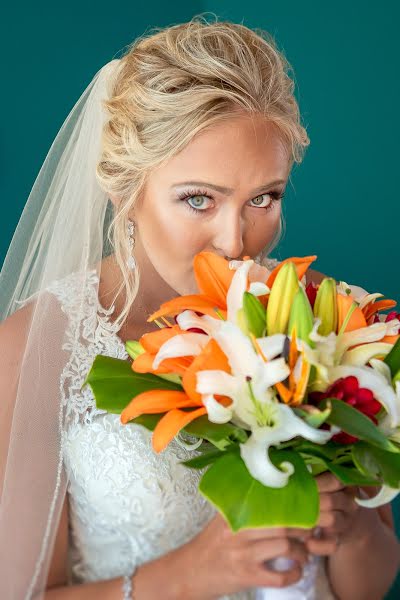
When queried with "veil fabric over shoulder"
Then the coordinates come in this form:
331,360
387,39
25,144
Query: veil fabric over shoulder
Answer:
61,231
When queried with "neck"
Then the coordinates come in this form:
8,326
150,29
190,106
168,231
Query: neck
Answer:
153,291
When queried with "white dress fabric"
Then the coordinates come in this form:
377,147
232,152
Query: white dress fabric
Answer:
128,504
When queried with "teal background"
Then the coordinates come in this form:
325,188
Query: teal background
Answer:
342,202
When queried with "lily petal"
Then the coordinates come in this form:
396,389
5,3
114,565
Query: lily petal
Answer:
216,382
194,302
286,427
363,335
258,289
238,286
272,345
154,401
213,276
255,455
365,353
188,344
188,319
170,424
382,368
217,413
385,495
369,298
238,348
301,263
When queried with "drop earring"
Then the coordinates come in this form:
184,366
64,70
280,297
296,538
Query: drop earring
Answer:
131,263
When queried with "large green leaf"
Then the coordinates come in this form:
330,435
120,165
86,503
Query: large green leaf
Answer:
147,420
245,502
207,458
351,476
352,421
384,466
392,359
221,435
114,384
328,451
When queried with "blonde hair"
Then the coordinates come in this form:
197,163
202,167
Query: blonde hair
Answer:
172,83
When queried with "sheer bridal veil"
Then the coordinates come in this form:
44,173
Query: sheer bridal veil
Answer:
61,231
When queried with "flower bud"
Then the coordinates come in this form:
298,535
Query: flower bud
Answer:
301,317
325,306
280,300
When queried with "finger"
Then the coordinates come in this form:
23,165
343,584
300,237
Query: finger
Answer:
324,546
278,579
327,482
335,519
256,533
337,501
267,550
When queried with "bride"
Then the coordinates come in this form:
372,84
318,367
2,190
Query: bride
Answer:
184,144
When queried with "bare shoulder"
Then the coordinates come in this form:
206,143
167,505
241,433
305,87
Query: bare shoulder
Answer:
13,335
13,331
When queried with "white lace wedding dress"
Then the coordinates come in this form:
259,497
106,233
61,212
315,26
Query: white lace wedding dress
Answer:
129,505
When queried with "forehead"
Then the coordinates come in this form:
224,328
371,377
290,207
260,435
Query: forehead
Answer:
244,150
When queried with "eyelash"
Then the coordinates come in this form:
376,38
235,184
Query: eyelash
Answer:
186,195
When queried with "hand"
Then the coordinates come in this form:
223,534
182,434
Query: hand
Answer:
219,562
338,515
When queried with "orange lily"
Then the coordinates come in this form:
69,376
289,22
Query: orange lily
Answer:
301,263
152,342
363,317
213,277
372,308
294,394
357,319
170,402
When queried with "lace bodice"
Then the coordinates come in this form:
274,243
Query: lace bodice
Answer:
129,505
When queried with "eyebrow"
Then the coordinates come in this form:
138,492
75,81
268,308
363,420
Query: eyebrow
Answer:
226,190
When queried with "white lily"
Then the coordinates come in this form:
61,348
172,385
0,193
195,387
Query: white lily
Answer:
385,424
386,494
254,403
282,425
365,353
187,344
358,293
188,320
365,335
234,298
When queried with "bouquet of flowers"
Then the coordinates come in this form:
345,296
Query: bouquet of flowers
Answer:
275,381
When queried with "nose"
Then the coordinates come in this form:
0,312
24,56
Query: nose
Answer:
228,240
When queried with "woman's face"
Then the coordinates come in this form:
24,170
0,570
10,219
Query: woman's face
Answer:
221,194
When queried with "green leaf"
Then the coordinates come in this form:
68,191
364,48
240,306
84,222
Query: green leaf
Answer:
147,420
245,502
221,435
207,458
134,348
114,384
352,421
301,317
312,415
384,466
392,359
254,314
351,476
328,451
